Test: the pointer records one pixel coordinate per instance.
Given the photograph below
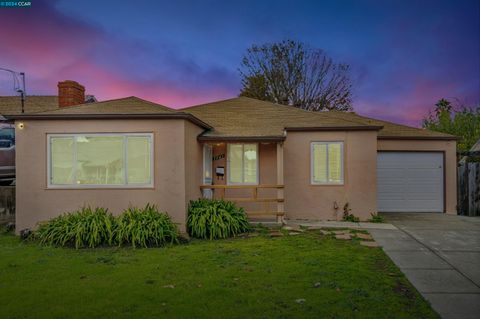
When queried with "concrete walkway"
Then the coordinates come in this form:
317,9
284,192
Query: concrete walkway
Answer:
334,224
440,255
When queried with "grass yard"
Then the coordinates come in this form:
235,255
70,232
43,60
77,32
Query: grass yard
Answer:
302,276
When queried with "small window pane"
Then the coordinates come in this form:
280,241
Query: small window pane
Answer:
207,164
100,160
7,137
320,163
250,162
334,163
62,157
138,162
236,163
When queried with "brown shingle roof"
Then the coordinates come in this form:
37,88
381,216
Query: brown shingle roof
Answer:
33,104
392,130
128,105
244,117
125,108
240,117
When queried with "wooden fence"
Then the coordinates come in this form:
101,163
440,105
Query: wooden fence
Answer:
469,189
7,204
231,193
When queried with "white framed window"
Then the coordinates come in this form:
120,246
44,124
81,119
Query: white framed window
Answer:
123,160
327,163
242,164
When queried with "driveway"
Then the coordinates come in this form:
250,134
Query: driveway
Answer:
440,255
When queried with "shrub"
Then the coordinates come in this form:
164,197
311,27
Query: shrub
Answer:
351,218
86,227
376,218
145,227
212,219
347,216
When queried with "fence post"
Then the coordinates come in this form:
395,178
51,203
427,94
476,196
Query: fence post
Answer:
7,203
475,189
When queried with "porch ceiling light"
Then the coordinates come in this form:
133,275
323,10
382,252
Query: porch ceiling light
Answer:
21,126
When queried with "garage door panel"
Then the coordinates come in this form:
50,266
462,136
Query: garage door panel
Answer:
387,173
410,159
410,182
422,173
390,191
397,202
423,205
417,196
415,185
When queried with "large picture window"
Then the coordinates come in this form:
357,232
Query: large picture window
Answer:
242,164
327,163
100,160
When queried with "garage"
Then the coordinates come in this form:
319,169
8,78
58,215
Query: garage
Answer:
410,181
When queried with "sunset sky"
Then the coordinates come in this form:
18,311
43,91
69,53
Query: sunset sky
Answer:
404,55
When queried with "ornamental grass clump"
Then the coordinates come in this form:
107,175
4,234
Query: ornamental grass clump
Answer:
213,219
145,227
86,227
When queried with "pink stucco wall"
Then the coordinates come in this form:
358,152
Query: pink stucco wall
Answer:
306,201
175,177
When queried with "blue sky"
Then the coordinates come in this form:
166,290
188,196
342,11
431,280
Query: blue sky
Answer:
404,55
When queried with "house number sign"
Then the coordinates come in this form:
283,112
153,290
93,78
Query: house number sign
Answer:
218,157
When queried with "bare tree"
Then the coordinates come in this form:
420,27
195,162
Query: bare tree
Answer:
293,73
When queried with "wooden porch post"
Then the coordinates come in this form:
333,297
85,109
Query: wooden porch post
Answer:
280,191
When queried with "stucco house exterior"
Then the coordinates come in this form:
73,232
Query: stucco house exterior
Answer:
276,161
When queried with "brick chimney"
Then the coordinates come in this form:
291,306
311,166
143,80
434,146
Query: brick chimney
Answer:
70,93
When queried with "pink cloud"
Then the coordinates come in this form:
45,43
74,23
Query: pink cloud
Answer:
52,47
409,108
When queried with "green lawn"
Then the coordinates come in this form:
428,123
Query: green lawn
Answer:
258,277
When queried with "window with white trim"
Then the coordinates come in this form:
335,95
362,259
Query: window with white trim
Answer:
327,162
242,163
100,160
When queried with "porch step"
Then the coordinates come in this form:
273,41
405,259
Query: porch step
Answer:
265,213
251,200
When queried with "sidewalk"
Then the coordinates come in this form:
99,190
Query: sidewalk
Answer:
440,256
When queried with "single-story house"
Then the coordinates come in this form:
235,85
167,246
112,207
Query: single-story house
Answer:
276,161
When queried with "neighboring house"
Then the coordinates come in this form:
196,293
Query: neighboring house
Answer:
70,93
274,160
476,147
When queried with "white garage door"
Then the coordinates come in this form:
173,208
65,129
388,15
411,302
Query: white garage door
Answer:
409,182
